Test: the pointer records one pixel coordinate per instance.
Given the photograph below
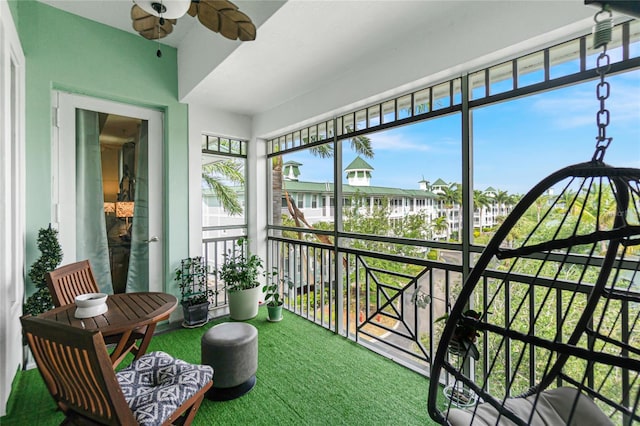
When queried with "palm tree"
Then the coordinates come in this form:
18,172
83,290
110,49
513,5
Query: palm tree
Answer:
440,225
502,199
215,173
480,201
514,199
276,191
360,144
540,203
569,200
452,199
598,204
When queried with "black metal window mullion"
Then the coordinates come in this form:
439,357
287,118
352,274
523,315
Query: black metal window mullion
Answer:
487,83
430,100
583,54
626,41
395,109
547,66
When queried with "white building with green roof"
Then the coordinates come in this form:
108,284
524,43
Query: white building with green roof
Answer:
291,170
316,199
359,172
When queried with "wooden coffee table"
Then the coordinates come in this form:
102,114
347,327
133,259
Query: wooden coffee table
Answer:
127,312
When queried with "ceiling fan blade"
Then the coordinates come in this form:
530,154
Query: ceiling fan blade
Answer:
223,17
193,9
145,23
137,12
208,16
220,16
246,31
230,22
148,26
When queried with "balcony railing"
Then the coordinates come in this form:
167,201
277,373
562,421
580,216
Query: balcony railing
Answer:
376,299
371,297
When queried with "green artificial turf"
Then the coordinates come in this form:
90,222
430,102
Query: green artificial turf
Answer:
306,376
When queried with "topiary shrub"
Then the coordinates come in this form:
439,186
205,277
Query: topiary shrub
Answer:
51,256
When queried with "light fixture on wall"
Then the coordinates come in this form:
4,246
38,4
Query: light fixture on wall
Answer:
124,209
109,207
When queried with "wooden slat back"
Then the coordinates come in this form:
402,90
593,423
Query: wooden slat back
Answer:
69,281
76,368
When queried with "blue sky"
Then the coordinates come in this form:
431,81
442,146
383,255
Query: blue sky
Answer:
516,143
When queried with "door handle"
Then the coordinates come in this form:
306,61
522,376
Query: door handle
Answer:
153,239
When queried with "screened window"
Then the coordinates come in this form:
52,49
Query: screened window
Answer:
308,192
544,133
223,186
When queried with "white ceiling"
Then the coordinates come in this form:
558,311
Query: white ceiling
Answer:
304,46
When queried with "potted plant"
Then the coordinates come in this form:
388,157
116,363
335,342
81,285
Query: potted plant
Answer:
463,344
239,273
272,296
41,300
191,277
464,335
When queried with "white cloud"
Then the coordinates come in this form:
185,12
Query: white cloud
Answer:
399,141
581,107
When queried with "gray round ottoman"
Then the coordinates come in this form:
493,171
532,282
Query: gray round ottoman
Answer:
231,348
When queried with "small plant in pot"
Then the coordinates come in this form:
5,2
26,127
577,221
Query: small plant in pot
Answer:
272,296
239,272
463,345
191,277
464,335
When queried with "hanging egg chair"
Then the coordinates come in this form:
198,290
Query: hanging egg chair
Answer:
546,329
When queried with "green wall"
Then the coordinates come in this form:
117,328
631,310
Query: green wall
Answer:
65,52
13,7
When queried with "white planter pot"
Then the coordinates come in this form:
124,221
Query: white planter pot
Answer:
243,304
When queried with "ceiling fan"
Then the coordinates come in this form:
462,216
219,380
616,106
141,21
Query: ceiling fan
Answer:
154,19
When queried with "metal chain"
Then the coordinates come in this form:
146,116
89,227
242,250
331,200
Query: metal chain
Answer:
602,36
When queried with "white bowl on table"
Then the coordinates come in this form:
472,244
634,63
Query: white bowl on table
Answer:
90,304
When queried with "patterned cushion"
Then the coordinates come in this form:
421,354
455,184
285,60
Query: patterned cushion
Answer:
155,385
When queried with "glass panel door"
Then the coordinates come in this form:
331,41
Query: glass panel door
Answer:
108,206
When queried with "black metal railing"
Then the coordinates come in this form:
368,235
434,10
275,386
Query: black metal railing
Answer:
373,298
213,252
378,299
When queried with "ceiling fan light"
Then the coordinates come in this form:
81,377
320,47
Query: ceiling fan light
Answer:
173,8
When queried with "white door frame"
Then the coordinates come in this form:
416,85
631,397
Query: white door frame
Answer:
12,196
63,190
